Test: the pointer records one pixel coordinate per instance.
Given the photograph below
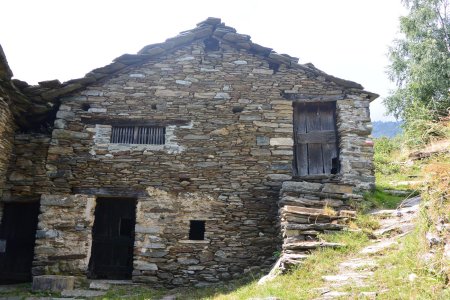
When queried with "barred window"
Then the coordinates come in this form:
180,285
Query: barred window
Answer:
149,135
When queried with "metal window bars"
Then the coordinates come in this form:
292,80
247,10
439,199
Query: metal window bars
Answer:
149,135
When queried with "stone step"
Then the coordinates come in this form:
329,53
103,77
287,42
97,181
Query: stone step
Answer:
378,247
359,264
302,219
321,190
292,259
399,192
309,245
82,293
350,278
98,285
333,295
55,283
300,201
319,213
314,226
300,233
394,229
112,282
308,212
298,239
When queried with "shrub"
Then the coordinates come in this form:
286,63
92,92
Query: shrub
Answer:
384,149
420,126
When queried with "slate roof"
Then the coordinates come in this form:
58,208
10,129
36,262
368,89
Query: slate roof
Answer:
43,97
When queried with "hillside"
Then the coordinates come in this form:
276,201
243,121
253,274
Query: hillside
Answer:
387,129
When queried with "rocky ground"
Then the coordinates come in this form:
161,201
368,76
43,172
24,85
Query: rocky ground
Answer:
359,269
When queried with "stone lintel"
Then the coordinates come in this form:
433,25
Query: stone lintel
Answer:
110,192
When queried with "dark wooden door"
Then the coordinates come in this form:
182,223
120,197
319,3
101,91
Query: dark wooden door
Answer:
113,239
315,136
17,239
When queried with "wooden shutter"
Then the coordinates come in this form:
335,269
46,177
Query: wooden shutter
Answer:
316,150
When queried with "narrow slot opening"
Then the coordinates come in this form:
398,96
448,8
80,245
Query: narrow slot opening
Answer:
211,44
85,106
197,230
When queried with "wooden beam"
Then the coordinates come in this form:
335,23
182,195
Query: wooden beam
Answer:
110,192
297,97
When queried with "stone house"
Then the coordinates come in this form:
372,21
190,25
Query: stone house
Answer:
165,166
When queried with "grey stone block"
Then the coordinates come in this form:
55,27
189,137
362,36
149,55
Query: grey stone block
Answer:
55,283
82,293
57,200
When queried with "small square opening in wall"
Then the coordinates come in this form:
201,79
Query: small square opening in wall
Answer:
197,230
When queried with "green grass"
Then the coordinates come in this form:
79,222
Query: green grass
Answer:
394,271
301,283
380,199
23,290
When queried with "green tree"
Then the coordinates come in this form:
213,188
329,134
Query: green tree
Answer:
420,60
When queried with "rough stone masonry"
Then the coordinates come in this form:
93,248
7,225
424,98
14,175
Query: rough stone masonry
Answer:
226,108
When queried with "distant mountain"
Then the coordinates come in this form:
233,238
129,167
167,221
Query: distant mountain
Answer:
388,129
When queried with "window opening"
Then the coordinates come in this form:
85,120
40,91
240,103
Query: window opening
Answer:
212,44
85,106
237,109
197,230
274,66
150,135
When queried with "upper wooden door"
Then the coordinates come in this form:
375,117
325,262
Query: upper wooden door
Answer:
315,135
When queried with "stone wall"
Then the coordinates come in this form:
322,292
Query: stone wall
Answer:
228,118
6,140
6,144
356,149
64,235
27,175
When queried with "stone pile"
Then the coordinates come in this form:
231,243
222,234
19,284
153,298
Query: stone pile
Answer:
307,210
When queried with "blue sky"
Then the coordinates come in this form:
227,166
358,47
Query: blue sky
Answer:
65,39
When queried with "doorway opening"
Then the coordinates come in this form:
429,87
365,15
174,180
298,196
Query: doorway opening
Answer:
17,239
113,239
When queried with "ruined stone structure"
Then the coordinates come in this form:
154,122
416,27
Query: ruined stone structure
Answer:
166,166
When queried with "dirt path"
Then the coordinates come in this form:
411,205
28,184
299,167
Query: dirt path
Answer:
358,270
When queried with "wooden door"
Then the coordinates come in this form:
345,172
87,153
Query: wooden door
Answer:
316,150
113,239
17,239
